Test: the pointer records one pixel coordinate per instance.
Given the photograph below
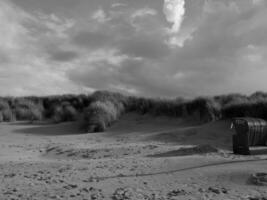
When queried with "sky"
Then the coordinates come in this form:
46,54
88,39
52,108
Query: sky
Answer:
155,48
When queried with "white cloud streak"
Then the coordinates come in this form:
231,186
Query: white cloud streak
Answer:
144,12
100,16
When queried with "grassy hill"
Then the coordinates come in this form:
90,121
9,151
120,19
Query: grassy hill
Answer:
102,108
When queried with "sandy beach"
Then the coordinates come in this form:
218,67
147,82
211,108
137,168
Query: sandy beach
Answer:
140,157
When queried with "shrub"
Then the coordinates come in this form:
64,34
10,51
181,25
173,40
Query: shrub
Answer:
203,109
6,112
77,105
104,108
258,96
26,109
64,112
3,105
100,115
171,108
8,115
57,115
224,100
24,103
104,96
1,117
166,107
32,114
246,109
139,105
70,113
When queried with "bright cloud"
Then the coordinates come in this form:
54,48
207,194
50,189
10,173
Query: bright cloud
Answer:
174,11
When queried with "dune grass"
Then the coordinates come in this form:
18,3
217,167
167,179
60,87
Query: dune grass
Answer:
26,109
99,115
107,107
64,112
102,108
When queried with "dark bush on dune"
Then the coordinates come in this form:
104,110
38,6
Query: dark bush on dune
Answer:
224,100
32,114
79,102
139,105
26,109
156,107
237,105
256,109
64,112
70,113
1,117
103,108
203,109
6,113
107,107
66,107
4,104
258,96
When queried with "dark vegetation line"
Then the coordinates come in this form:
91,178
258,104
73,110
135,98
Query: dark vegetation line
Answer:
180,170
101,109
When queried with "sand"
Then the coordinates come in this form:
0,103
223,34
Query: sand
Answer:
139,157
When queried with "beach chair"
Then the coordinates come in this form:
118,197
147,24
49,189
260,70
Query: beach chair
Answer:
249,132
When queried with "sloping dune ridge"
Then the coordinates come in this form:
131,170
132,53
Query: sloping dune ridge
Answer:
139,157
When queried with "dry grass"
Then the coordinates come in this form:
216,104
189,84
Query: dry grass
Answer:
64,112
101,114
102,108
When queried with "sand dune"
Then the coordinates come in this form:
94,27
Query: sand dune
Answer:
139,157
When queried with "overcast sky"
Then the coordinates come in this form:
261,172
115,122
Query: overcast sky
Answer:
143,47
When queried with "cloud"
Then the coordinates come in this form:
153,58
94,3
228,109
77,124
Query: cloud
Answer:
174,11
91,40
25,68
142,19
143,12
144,47
47,6
257,2
216,59
110,56
100,16
116,5
4,58
151,48
225,53
54,24
11,26
63,55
